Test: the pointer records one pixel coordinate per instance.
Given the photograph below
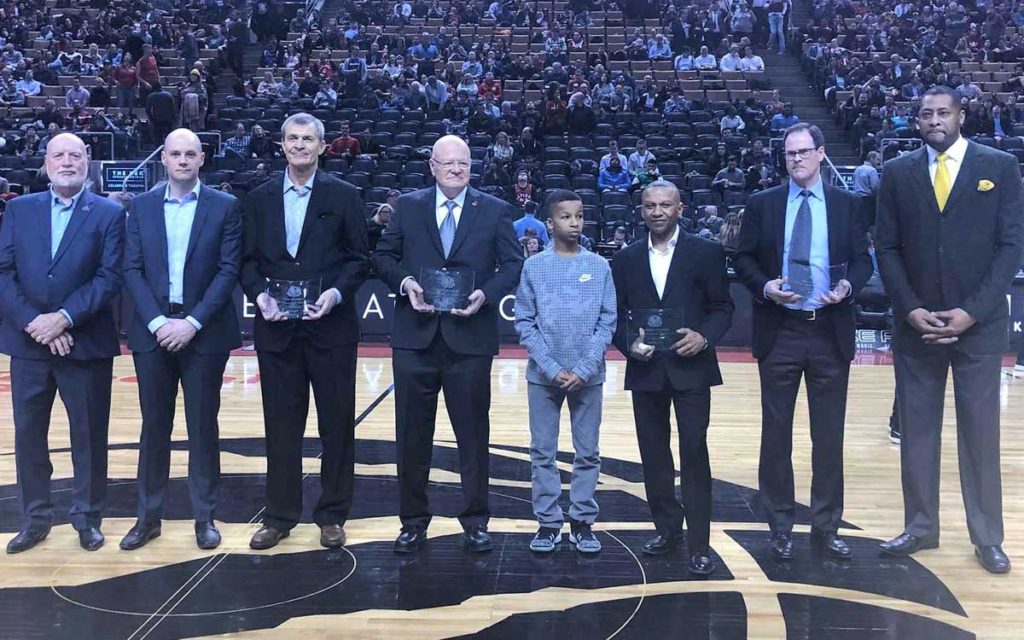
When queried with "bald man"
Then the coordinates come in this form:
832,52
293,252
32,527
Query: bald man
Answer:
60,270
448,226
182,258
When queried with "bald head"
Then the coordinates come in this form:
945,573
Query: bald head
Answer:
182,157
66,164
450,163
180,137
446,145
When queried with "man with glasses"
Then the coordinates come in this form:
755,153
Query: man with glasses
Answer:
59,331
803,254
442,231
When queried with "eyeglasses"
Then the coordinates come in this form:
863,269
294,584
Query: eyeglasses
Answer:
803,154
451,165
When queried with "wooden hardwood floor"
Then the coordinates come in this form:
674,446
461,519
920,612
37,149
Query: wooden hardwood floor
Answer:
170,589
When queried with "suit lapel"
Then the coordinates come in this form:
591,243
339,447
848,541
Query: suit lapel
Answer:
779,209
313,210
45,223
923,181
430,219
832,220
965,178
200,219
151,222
78,217
466,219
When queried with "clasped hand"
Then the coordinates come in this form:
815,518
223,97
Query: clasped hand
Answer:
940,327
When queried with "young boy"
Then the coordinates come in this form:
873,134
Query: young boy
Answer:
565,317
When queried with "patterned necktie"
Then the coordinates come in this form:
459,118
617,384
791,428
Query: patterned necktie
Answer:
800,280
448,228
942,186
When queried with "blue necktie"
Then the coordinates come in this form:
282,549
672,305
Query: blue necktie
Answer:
448,228
800,279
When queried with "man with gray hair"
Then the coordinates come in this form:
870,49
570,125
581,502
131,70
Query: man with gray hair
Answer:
304,257
59,331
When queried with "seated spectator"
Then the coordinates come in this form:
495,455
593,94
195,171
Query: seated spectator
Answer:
659,49
710,220
706,61
640,158
288,89
436,94
344,146
29,86
30,144
743,21
969,90
326,97
467,85
729,232
751,61
580,118
782,121
684,61
531,246
376,225
472,67
11,58
614,177
613,153
620,237
260,145
646,175
730,121
732,60
77,93
914,88
490,85
677,103
998,123
530,223
268,87
523,191
760,175
238,144
731,177
528,146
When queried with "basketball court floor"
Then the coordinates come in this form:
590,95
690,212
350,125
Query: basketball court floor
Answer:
170,589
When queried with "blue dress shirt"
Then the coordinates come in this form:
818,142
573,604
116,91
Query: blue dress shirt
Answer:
60,217
819,242
178,217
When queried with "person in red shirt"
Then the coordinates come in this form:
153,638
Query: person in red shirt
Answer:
126,76
344,146
148,71
490,85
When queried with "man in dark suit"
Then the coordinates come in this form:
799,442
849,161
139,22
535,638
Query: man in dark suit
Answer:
305,226
60,270
674,270
947,261
182,256
803,254
449,226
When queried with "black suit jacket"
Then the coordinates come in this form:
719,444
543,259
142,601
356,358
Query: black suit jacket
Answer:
964,257
332,246
758,259
83,278
212,263
697,283
485,242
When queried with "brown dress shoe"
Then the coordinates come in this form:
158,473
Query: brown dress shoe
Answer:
266,538
332,536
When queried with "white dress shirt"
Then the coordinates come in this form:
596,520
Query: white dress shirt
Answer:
441,211
660,262
954,160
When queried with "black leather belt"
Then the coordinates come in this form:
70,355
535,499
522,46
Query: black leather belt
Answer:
808,315
175,309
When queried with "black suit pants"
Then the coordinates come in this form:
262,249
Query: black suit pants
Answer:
805,350
84,387
466,380
159,372
651,411
286,377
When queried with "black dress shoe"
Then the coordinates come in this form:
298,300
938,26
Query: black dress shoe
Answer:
207,536
410,540
782,545
661,545
90,538
267,538
139,535
477,539
701,563
831,544
27,539
906,544
992,558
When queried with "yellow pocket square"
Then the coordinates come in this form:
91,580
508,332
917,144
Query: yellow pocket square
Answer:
986,185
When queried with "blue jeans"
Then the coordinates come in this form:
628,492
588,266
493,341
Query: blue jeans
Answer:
777,30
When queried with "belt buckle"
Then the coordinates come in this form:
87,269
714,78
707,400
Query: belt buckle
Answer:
813,315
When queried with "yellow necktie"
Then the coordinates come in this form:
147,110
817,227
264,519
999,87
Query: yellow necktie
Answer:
942,186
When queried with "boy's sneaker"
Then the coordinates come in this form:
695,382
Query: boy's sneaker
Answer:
546,540
583,538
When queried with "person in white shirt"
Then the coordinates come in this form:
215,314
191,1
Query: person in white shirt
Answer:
684,61
613,150
751,61
28,85
638,159
732,60
706,60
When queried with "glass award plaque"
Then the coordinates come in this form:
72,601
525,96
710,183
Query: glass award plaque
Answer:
836,272
660,327
447,289
292,296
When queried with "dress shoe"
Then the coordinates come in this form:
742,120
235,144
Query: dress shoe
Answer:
207,536
992,558
701,563
139,535
782,545
90,538
661,545
477,539
267,537
410,539
26,539
831,544
906,544
332,536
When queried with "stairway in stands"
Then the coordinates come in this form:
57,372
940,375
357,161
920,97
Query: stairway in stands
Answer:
794,86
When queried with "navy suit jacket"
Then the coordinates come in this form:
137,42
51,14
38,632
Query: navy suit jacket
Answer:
485,242
759,259
212,262
698,284
83,277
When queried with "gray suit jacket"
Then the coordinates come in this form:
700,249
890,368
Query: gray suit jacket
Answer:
965,256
